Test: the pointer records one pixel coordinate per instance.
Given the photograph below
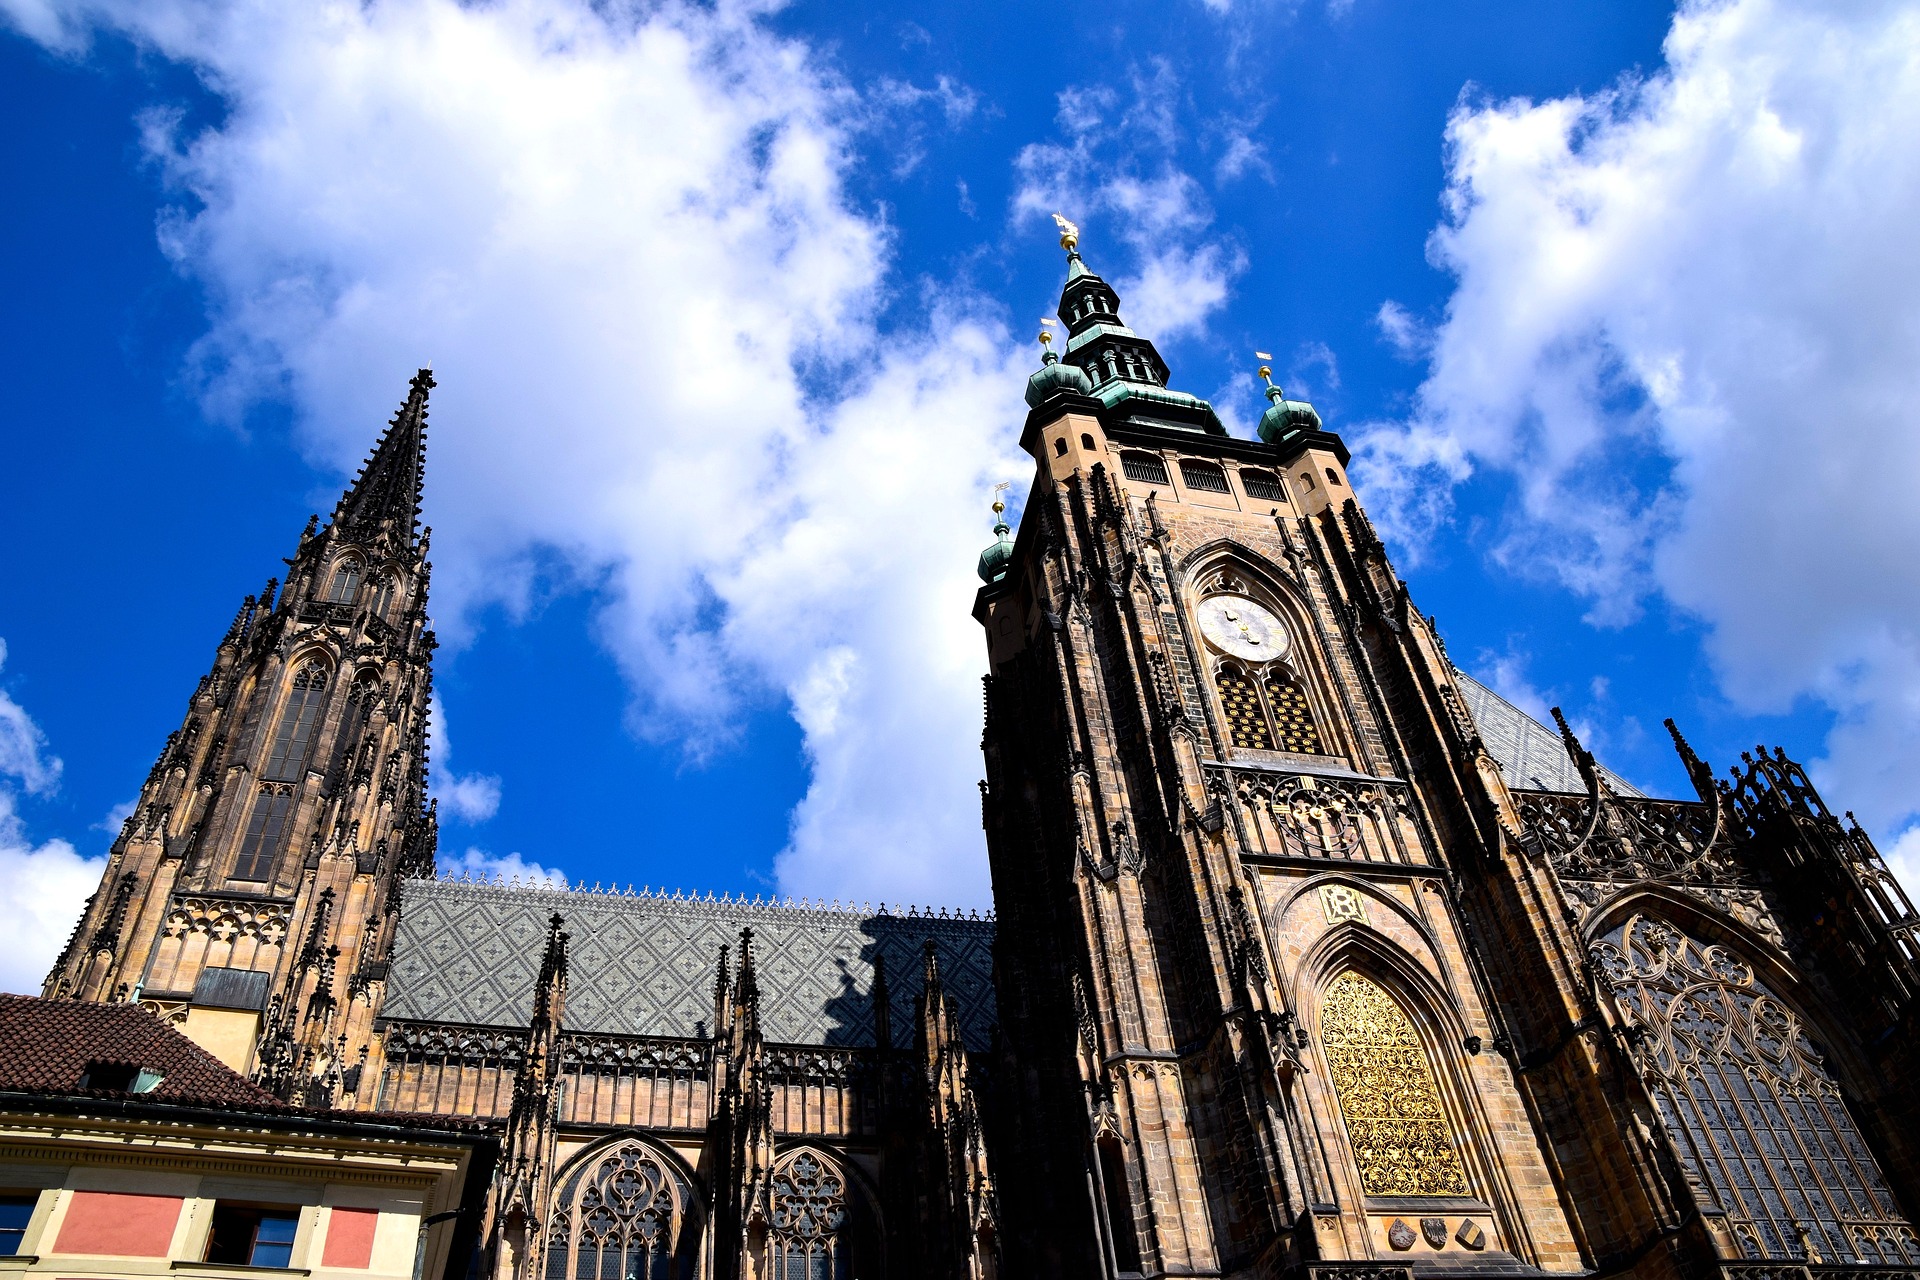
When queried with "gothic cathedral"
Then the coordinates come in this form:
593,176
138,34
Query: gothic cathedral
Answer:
1311,957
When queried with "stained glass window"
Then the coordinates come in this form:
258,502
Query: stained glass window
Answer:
287,759
1749,1103
1399,1131
614,1219
346,581
809,1204
266,831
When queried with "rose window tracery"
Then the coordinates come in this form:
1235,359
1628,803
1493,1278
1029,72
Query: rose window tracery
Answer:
615,1219
1399,1131
1758,1121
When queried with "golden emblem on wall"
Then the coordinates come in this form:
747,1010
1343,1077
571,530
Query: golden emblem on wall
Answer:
1399,1131
1342,902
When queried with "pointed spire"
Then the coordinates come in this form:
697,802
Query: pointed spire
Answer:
388,488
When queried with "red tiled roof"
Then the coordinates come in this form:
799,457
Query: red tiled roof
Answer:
45,1046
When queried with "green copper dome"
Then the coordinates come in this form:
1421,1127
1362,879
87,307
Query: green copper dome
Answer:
1286,417
1052,377
993,561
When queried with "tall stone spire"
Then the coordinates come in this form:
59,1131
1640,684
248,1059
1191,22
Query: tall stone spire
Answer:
387,492
261,865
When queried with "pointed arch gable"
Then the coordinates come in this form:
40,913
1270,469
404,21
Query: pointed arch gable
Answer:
1291,696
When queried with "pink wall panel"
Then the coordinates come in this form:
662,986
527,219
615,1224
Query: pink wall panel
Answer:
350,1238
129,1226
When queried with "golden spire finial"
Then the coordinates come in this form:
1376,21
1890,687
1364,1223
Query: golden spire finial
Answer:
1000,503
1046,332
1069,233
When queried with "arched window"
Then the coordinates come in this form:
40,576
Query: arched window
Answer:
1293,726
266,832
287,758
1306,480
809,1207
1749,1104
615,1218
1333,478
1148,468
346,581
1086,442
1380,1073
1263,486
382,596
1060,447
1246,720
360,700
1204,476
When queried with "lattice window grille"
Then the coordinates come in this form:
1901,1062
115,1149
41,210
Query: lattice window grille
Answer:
1205,477
1759,1122
808,1209
1395,1122
1293,722
614,1219
1263,485
1148,468
1246,718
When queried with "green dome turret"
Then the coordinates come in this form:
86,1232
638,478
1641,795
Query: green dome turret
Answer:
1284,417
1054,376
994,560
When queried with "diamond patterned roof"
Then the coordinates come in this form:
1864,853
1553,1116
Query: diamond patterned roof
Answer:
1531,756
469,952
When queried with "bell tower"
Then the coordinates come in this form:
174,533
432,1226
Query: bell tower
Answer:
1227,769
250,897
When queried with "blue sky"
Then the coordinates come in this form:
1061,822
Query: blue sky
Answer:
731,308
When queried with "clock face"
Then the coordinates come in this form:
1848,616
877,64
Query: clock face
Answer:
1242,627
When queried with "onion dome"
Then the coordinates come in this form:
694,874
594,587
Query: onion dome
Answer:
1284,417
1054,377
994,560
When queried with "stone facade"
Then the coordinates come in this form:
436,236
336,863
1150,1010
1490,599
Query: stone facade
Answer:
1311,957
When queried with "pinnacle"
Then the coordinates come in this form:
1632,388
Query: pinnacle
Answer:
388,488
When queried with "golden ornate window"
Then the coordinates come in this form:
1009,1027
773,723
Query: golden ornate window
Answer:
1759,1123
1293,722
1246,721
1399,1131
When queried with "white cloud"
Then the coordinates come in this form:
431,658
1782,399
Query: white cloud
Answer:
43,885
622,236
1687,324
1117,174
1409,338
23,746
478,864
470,797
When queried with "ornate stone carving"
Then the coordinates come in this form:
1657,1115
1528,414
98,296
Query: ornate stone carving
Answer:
1400,1235
1434,1232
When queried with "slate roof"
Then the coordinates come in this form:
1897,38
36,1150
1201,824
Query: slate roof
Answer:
1531,756
47,1045
643,964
